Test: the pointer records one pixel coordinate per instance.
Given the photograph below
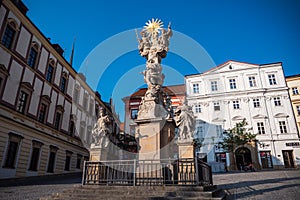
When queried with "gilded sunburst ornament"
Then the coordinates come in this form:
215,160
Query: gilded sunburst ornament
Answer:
153,26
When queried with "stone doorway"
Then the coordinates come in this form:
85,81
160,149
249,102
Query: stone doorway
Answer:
243,157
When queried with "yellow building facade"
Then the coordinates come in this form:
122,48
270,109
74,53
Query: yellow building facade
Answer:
293,82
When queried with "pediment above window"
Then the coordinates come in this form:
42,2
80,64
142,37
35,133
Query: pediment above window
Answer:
218,119
259,116
281,115
237,118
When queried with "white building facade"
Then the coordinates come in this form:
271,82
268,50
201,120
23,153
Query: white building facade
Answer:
227,94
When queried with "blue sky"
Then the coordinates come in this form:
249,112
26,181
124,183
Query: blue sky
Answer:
256,31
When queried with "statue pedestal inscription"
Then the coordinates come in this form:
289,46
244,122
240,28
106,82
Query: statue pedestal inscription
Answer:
154,135
98,153
186,149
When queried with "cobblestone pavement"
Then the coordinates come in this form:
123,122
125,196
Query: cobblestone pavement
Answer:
34,188
275,184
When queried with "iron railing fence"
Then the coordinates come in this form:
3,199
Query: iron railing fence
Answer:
187,171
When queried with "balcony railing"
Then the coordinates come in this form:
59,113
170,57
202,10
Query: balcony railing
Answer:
189,171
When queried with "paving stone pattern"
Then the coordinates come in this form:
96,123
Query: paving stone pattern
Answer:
275,184
279,184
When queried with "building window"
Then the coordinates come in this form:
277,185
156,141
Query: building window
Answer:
91,107
1,83
22,102
277,101
49,74
32,57
63,84
57,121
196,88
42,112
298,109
200,132
82,132
272,79
256,103
12,150
232,84
219,130
252,81
134,113
35,155
72,128
85,101
236,104
214,86
68,160
282,127
261,128
197,108
78,162
8,36
52,157
217,106
295,90
76,94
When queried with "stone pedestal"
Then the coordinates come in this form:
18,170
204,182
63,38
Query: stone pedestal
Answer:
186,149
98,153
153,136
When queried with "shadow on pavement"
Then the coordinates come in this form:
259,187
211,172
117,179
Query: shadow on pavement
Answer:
72,178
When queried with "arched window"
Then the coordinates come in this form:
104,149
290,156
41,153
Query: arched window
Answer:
9,33
33,54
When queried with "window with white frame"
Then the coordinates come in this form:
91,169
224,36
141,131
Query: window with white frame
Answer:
256,103
217,106
277,101
214,86
282,127
272,79
252,81
197,108
22,102
196,88
232,83
298,109
295,91
236,104
260,128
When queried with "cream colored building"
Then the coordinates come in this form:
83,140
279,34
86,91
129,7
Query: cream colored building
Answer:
293,82
232,91
47,110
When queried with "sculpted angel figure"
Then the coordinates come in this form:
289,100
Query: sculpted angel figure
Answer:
102,129
184,119
165,37
144,43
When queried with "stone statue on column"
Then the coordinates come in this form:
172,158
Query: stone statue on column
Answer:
154,46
